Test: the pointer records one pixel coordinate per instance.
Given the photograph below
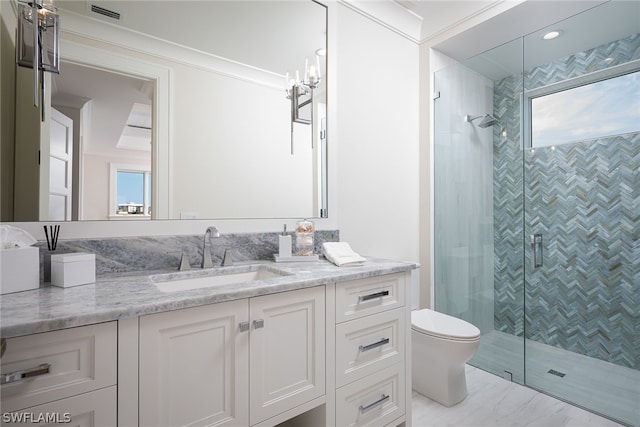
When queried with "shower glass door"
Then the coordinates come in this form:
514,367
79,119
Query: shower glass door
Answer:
537,217
478,204
581,135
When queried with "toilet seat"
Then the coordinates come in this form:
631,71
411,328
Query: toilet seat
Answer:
441,325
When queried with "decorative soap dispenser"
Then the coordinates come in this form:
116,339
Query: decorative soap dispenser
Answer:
284,244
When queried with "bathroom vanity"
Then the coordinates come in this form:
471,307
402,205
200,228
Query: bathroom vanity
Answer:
295,344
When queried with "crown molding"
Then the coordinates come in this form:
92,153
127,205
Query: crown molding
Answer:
111,34
389,14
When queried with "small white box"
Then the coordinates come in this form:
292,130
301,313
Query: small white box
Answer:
20,269
73,269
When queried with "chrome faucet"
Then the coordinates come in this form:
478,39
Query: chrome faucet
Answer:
207,261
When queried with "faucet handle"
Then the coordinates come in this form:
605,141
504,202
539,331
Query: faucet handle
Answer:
184,262
227,260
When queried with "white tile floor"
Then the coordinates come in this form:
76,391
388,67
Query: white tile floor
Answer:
495,402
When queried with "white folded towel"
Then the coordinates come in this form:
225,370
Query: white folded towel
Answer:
341,254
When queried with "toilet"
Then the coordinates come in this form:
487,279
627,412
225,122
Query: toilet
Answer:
441,345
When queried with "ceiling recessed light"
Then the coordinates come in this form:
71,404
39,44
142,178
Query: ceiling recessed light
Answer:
551,35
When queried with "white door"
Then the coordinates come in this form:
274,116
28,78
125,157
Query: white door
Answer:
193,366
287,361
60,167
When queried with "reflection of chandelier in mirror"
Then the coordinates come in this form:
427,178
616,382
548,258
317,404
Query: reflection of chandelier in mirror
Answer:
38,42
296,88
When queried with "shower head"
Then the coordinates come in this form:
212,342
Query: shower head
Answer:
487,120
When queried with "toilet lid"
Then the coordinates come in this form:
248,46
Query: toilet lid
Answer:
442,325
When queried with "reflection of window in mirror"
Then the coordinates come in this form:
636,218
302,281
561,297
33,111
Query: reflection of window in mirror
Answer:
113,114
130,197
606,104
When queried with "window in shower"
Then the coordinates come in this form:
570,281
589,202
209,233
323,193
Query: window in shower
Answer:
593,106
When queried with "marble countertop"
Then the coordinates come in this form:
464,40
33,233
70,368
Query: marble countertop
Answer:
130,295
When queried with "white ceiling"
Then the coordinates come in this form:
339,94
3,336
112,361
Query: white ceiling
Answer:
111,99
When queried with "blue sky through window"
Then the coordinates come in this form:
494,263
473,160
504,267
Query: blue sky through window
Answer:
603,108
130,187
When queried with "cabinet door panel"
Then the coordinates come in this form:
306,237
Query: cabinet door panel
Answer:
193,366
287,351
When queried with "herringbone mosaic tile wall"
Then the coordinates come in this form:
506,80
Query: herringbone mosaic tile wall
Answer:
585,199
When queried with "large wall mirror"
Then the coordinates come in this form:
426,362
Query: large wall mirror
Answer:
178,110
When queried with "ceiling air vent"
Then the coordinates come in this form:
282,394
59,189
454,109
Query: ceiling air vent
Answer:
105,12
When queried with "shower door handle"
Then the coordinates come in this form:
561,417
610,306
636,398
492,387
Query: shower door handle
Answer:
536,250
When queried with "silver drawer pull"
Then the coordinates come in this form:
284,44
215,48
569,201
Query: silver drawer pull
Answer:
370,406
12,377
257,324
244,326
380,343
373,296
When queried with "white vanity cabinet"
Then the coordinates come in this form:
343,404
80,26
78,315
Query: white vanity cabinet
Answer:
333,354
65,376
371,363
235,363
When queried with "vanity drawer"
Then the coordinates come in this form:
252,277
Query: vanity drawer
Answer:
93,409
366,345
58,364
363,297
376,400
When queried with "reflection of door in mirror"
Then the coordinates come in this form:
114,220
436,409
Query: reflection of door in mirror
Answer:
114,125
60,167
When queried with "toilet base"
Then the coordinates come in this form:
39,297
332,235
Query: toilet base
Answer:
448,388
438,370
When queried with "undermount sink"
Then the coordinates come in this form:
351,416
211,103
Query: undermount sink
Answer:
175,282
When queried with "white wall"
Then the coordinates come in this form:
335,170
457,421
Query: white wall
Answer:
377,140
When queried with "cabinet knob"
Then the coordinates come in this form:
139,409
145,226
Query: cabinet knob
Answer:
244,326
257,324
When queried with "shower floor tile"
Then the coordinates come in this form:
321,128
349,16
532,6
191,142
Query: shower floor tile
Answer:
602,387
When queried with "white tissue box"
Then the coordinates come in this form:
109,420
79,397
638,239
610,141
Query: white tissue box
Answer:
73,269
20,269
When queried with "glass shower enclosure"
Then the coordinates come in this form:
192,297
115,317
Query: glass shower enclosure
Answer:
537,212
